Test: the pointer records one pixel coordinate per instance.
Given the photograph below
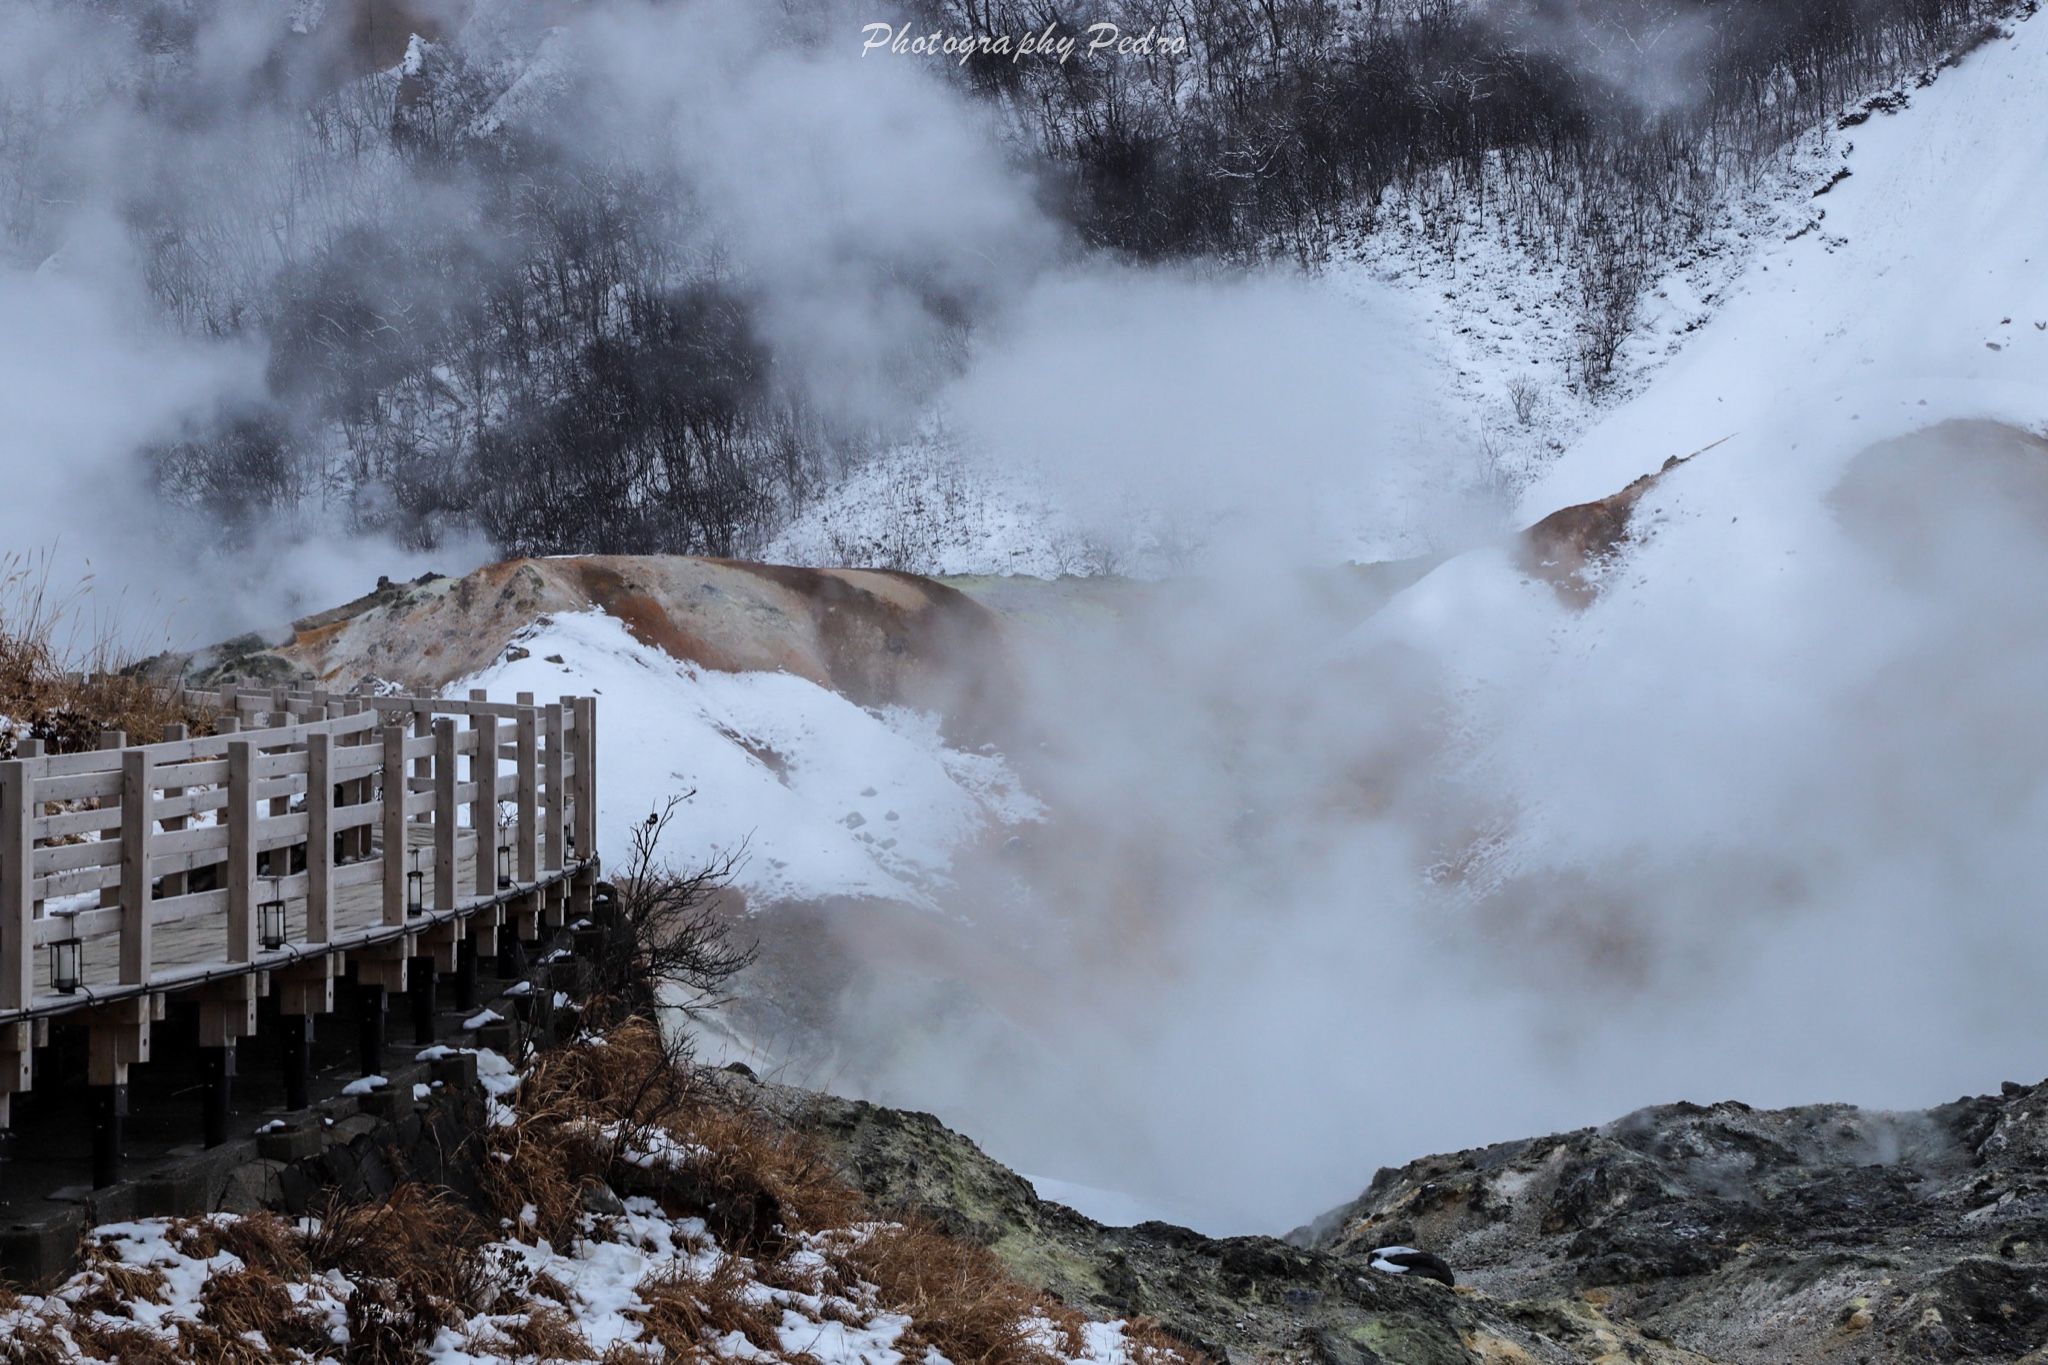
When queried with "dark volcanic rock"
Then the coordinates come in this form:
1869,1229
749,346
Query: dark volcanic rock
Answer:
1824,1233
1682,1233
1238,1298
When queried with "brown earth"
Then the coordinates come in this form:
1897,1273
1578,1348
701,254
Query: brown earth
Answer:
877,637
1568,548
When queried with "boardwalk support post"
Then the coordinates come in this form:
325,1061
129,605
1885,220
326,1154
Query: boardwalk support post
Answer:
371,1002
109,1107
424,980
297,1059
219,1064
465,974
585,799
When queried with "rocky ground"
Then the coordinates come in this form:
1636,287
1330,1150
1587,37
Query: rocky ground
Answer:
1678,1233
1238,1299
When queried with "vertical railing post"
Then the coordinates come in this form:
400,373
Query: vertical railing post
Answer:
423,766
529,791
447,813
586,776
397,783
174,882
358,792
17,887
138,820
17,915
483,811
319,836
552,809
111,740
241,865
584,790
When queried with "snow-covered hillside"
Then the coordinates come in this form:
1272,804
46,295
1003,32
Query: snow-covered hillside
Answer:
1914,289
1851,209
815,795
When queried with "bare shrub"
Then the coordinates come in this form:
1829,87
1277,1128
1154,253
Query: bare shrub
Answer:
1525,395
668,937
1611,284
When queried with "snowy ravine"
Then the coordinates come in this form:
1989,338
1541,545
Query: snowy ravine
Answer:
815,795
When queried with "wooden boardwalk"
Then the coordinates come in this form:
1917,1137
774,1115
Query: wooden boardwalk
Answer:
388,830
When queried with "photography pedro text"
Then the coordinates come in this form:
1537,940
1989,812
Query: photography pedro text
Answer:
1051,45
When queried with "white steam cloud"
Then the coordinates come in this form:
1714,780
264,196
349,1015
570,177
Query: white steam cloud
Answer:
1762,823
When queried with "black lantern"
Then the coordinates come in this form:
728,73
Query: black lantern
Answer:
504,848
270,919
569,835
415,888
65,955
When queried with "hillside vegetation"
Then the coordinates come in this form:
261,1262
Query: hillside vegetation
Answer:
496,300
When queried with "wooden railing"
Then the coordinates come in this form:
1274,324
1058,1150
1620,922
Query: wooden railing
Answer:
311,830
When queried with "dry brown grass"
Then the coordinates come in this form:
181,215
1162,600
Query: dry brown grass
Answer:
237,1302
757,1184
549,1334
61,671
261,1240
753,1183
1150,1343
684,1311
959,1297
414,1231
127,1344
761,1174
34,1341
410,1255
634,1353
112,1285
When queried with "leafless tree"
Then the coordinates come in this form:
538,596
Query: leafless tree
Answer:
668,945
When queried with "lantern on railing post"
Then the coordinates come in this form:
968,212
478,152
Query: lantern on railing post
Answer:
415,888
504,850
270,918
65,957
569,836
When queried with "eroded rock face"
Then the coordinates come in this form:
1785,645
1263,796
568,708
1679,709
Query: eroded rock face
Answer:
1825,1233
875,636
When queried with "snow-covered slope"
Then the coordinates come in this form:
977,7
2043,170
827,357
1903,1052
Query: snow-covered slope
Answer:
1916,289
820,797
